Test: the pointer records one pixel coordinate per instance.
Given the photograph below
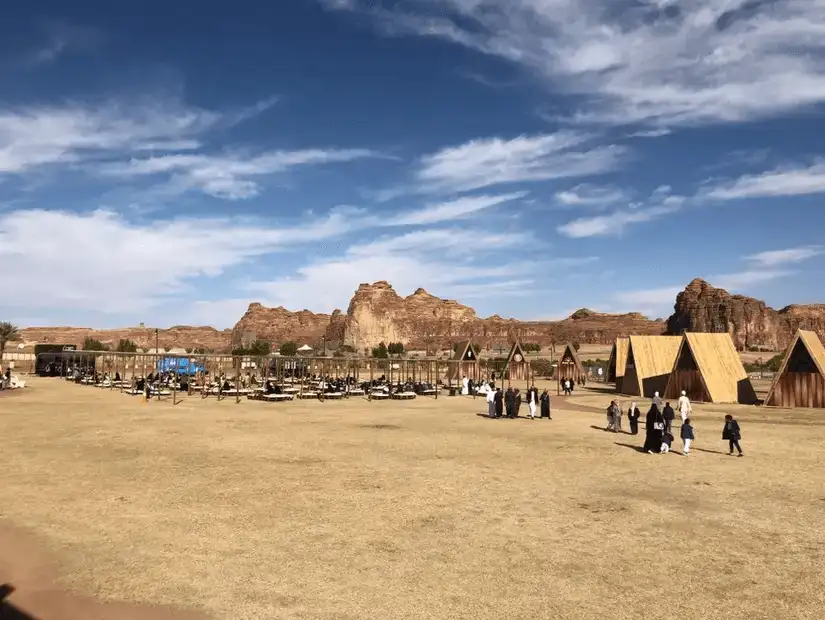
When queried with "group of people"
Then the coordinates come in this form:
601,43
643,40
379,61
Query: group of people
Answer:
5,378
659,425
509,402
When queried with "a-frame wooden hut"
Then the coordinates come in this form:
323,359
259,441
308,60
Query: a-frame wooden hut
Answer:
570,366
616,364
518,368
800,381
709,370
464,363
649,363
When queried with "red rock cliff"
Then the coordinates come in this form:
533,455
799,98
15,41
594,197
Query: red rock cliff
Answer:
278,325
703,308
180,336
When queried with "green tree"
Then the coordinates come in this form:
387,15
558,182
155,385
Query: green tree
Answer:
380,351
395,348
531,347
576,346
124,345
289,349
260,348
90,344
8,333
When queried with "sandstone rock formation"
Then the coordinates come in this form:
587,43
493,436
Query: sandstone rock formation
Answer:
278,325
704,308
422,321
181,336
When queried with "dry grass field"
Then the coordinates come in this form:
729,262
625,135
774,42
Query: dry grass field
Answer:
408,510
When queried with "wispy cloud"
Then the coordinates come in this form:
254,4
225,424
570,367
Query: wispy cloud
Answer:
62,38
782,181
36,136
744,279
494,161
586,195
661,203
774,258
651,133
226,176
651,61
455,209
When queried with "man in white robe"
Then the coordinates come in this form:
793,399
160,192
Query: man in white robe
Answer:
657,400
684,406
491,403
465,386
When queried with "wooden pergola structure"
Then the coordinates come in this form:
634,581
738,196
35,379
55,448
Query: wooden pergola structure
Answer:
464,363
800,381
518,367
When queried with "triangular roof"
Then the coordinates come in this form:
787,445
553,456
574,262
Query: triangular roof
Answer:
653,356
465,352
618,357
814,347
516,348
570,351
719,365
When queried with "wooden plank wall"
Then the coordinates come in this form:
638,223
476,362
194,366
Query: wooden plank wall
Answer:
691,382
519,371
799,389
630,382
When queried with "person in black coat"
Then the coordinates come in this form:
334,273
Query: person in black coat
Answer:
545,405
516,402
633,415
499,402
654,430
732,433
668,413
510,402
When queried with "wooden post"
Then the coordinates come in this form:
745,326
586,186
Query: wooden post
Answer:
435,385
323,381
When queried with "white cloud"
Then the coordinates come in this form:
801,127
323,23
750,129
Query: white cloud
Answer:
586,195
455,209
783,181
773,258
100,262
651,133
494,161
745,279
454,264
36,136
226,176
648,61
62,38
661,203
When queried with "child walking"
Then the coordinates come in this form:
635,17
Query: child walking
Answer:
732,433
667,439
687,436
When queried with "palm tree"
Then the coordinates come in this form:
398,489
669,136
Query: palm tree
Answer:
8,333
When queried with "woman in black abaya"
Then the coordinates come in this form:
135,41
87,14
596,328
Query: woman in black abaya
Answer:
654,428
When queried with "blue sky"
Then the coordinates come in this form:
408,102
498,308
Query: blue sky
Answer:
526,157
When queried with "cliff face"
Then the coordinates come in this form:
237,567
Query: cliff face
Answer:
704,308
422,321
278,325
181,336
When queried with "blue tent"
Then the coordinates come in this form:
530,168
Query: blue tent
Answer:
179,365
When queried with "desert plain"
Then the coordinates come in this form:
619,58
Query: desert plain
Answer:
411,510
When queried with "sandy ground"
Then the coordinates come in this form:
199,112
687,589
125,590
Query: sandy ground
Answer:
409,510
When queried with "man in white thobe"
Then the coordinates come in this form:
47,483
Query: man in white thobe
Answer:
657,400
491,403
684,406
532,397
465,386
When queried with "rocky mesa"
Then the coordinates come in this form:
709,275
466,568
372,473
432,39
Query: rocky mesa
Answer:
378,313
279,325
702,307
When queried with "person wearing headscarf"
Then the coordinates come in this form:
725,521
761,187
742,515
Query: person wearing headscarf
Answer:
517,401
617,418
532,401
491,403
654,430
545,405
633,415
657,401
669,414
684,406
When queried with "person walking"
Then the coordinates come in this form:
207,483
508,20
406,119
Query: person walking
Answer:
687,436
499,401
532,401
617,418
610,416
669,415
684,406
733,434
633,415
545,405
491,403
657,400
510,402
654,429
